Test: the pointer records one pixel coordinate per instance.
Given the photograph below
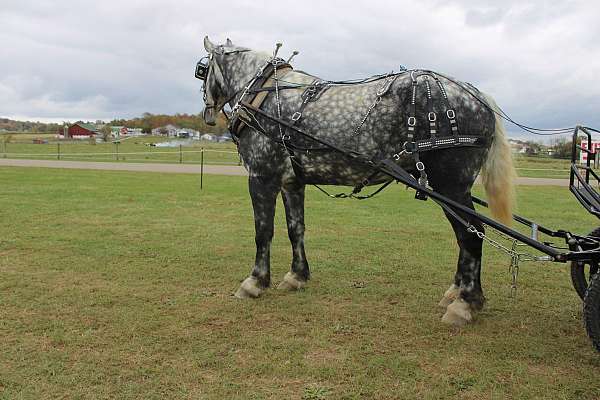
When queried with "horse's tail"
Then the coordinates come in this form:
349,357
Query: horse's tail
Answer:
498,172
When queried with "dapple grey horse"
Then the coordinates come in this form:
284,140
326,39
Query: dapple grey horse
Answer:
339,117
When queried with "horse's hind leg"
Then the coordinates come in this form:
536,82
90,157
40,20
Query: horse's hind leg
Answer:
263,192
293,201
465,295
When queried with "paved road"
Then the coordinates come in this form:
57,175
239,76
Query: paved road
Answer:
124,166
192,169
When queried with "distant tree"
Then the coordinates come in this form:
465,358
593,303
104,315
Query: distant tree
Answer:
105,132
562,148
532,148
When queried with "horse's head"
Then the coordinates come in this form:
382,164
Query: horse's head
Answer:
210,70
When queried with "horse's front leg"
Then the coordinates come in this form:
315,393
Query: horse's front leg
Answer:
293,201
263,192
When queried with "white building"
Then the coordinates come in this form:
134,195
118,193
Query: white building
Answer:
167,130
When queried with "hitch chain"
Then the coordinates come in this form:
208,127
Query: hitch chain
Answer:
513,269
515,256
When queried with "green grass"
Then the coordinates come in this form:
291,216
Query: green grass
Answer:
118,285
130,150
542,167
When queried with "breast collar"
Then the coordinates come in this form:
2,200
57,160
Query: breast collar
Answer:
257,91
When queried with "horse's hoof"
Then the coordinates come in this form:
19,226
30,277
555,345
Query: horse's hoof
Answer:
291,282
249,289
458,313
449,296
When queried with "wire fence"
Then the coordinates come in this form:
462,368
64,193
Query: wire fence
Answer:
62,151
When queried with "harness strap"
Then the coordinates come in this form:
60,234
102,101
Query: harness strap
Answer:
306,97
446,142
450,113
353,194
264,80
272,88
431,116
410,145
412,119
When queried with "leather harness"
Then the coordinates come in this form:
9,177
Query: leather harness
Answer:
260,90
264,83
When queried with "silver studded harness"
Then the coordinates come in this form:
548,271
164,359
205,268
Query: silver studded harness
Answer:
247,109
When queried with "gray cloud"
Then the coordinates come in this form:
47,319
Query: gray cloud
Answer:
71,60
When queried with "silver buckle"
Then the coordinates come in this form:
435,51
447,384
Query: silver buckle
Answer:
431,116
412,121
297,115
397,155
450,113
420,166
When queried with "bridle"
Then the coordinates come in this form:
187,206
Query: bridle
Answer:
206,66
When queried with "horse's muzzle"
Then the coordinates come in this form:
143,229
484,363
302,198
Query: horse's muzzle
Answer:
209,116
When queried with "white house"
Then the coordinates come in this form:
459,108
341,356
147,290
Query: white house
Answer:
167,130
187,133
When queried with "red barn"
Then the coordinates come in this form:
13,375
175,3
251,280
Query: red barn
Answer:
81,130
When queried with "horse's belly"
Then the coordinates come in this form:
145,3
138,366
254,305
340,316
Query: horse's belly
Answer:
333,168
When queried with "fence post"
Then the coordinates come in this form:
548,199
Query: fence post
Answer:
58,150
201,165
117,150
180,155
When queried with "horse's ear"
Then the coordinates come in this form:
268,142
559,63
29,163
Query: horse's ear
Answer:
229,43
208,44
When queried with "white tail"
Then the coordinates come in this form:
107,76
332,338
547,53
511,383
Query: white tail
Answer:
498,173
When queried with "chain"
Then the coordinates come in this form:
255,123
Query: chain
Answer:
513,269
512,252
515,256
369,111
380,92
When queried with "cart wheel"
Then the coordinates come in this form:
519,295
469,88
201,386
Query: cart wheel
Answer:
591,311
582,272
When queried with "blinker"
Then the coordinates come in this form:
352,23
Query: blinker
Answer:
202,69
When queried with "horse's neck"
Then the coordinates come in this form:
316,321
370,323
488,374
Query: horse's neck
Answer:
240,71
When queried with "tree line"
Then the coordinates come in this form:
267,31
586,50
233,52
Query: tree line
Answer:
10,125
149,121
146,123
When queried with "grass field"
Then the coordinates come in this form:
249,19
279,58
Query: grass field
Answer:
135,149
118,285
542,167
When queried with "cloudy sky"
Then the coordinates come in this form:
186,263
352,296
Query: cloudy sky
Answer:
69,60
